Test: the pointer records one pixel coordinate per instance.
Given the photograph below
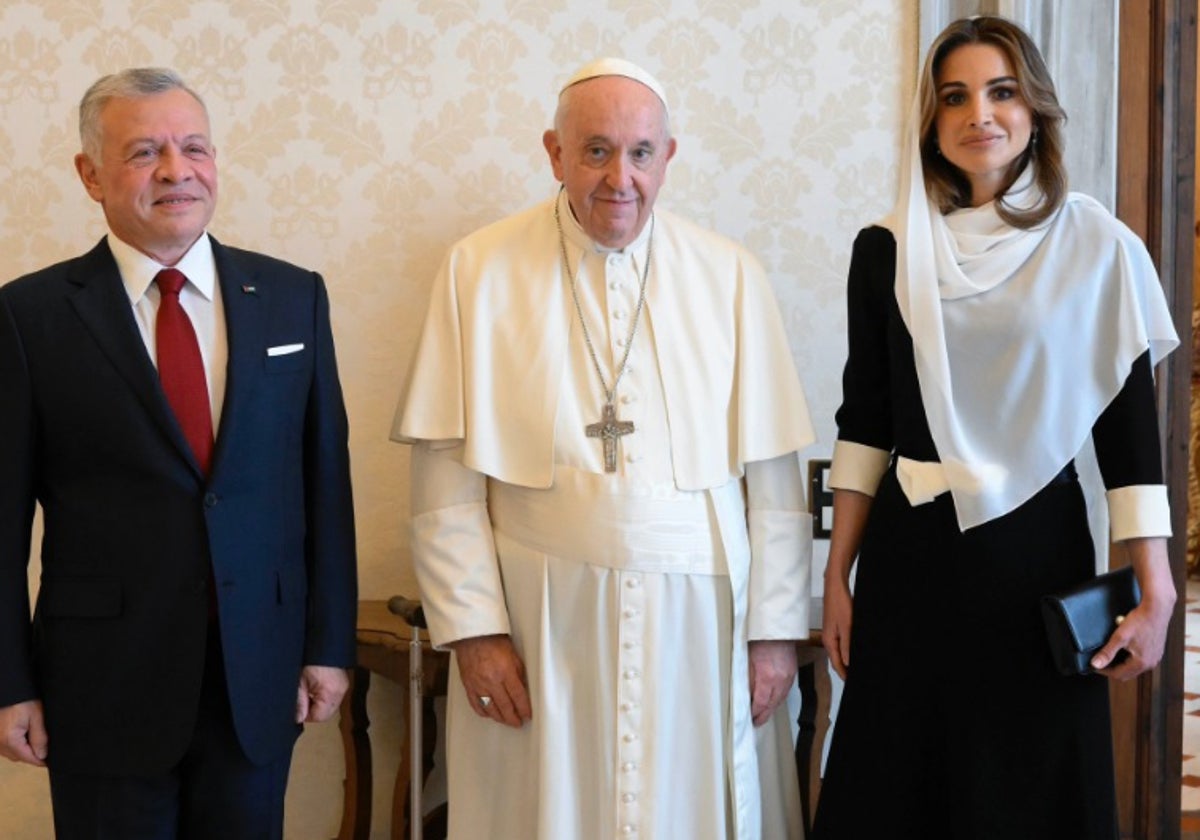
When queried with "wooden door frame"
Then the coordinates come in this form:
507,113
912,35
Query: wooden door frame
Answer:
1156,151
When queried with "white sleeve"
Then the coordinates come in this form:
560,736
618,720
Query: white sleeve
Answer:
1140,510
857,466
780,550
454,554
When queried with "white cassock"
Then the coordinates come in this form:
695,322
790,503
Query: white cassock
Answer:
630,596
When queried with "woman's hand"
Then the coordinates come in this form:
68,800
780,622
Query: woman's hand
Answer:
850,512
836,622
1142,633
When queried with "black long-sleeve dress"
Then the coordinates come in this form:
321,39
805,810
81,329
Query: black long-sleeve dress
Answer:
954,722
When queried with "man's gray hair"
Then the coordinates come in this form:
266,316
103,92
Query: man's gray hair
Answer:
127,84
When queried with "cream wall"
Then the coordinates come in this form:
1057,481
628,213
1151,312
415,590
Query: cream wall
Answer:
361,137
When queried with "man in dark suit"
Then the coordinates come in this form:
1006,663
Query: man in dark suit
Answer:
185,435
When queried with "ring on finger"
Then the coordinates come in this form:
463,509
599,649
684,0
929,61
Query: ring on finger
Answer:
485,701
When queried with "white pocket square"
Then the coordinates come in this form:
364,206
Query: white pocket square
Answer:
284,349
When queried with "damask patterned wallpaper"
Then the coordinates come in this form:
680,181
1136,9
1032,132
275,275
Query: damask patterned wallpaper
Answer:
361,137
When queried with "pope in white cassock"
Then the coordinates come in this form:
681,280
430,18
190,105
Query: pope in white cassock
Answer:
609,528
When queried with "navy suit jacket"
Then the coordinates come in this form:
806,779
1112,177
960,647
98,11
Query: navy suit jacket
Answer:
133,531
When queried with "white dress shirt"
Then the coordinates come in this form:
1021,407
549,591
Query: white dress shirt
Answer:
200,298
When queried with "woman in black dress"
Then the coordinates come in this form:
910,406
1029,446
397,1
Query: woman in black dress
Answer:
995,322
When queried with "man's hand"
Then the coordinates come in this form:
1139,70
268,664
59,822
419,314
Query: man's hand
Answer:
772,673
23,733
490,667
320,693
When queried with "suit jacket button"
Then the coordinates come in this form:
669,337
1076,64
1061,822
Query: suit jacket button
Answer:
210,500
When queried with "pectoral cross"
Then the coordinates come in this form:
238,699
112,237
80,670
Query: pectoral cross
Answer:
609,430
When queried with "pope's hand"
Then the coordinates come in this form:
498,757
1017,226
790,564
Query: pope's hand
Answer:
772,674
494,677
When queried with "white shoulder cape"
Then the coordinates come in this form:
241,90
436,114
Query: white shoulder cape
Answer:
490,360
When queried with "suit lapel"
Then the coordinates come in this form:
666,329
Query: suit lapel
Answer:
242,295
103,306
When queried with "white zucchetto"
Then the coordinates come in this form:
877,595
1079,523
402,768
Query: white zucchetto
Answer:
616,67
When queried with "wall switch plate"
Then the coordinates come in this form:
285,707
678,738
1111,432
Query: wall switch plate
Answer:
820,497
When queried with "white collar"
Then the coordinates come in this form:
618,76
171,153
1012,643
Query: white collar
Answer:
577,236
138,270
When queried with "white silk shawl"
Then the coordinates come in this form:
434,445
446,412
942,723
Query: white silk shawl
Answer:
1021,337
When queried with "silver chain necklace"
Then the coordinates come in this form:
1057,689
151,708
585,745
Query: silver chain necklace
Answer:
609,429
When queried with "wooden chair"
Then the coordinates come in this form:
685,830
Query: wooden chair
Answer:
383,648
816,694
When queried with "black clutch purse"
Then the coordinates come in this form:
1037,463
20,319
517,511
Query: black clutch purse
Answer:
1080,620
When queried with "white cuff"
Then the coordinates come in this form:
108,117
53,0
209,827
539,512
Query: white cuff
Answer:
779,597
1139,510
453,551
858,467
454,557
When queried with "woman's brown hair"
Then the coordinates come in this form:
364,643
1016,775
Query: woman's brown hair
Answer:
945,183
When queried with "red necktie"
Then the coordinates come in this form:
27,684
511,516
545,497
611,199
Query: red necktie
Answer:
181,368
